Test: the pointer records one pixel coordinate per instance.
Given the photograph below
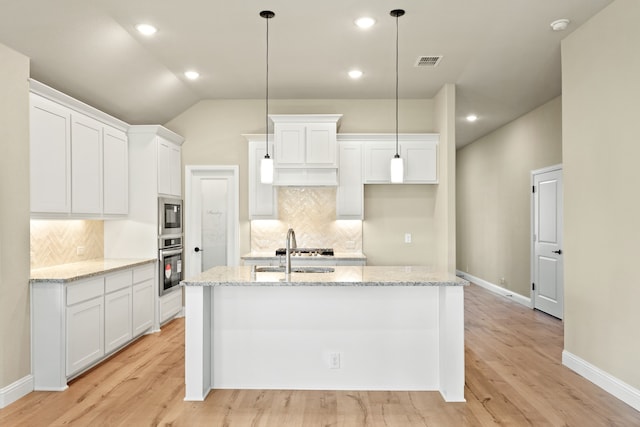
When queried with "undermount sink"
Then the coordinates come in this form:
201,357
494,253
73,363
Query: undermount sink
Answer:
280,269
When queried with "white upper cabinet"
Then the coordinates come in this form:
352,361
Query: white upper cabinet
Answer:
350,192
420,161
86,165
263,198
115,172
377,161
79,158
169,168
419,154
50,152
305,149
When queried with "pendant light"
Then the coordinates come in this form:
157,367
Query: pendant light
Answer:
397,165
266,165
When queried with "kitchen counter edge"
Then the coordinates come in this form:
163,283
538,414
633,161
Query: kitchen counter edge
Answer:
342,276
72,272
257,256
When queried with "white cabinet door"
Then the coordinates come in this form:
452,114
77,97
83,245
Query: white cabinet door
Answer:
85,334
116,172
50,152
377,161
290,141
86,165
263,198
143,294
175,170
321,145
164,179
311,145
420,161
170,305
169,168
117,319
350,193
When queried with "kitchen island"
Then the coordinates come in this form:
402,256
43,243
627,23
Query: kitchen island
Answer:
355,328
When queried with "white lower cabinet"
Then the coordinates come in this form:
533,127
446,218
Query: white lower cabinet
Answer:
143,306
85,334
117,319
170,305
76,324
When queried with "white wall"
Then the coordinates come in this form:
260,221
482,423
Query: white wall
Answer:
15,360
494,194
601,149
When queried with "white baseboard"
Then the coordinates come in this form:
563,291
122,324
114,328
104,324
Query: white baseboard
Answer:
526,301
607,382
15,391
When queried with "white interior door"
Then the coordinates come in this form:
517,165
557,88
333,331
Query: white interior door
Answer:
548,264
211,212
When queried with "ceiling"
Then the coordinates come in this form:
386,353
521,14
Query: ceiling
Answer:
501,54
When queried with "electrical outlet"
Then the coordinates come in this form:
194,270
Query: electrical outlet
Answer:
503,281
407,237
80,250
334,361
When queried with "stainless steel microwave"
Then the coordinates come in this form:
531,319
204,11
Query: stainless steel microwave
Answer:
169,216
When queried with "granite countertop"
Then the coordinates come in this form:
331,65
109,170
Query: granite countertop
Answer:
81,270
272,256
342,276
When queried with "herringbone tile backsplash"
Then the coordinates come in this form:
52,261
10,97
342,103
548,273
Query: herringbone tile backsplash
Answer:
56,242
311,212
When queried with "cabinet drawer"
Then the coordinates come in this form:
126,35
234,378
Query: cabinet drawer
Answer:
85,290
141,274
118,281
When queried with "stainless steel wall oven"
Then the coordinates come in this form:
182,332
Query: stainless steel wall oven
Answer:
170,257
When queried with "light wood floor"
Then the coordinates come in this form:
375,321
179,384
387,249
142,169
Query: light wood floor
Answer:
513,378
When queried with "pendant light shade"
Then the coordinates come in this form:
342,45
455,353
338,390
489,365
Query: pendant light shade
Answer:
397,170
266,165
266,169
397,165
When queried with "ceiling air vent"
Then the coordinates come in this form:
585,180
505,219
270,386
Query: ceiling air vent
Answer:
428,61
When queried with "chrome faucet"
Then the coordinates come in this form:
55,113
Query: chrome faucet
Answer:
290,244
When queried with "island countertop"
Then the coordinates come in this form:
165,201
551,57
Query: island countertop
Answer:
341,276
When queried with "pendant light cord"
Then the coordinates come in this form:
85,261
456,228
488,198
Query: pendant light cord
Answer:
267,14
397,86
266,138
397,15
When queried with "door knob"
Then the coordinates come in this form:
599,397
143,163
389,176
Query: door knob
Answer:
559,252
197,249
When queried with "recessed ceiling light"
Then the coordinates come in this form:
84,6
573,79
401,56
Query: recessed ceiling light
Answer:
365,22
355,74
146,29
472,118
560,24
191,75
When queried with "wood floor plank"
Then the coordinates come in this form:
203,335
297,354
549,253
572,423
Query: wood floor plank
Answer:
514,377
